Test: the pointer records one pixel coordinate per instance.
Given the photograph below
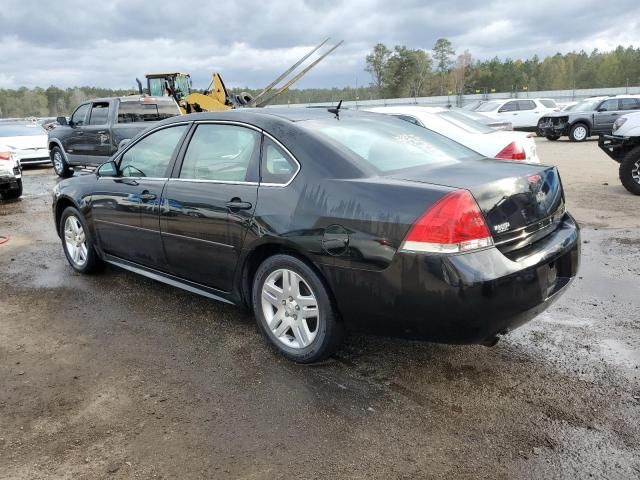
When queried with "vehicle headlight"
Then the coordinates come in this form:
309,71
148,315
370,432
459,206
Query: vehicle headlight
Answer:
618,123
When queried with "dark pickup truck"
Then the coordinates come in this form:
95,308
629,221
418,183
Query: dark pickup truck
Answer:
97,128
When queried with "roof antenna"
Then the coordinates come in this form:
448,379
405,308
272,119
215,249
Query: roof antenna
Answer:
336,110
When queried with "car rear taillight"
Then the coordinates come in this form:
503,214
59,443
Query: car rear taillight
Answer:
513,151
5,155
454,224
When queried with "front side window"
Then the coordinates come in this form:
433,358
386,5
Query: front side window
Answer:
80,115
151,156
276,166
220,152
99,114
609,105
508,107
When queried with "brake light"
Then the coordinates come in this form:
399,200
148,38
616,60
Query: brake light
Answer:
453,224
513,151
5,155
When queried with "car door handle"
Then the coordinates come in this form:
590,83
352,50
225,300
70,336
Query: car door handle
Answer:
146,195
237,204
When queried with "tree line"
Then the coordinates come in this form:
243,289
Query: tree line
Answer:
399,72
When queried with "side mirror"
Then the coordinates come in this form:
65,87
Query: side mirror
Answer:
62,120
109,169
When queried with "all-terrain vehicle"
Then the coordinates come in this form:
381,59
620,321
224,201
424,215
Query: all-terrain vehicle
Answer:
623,145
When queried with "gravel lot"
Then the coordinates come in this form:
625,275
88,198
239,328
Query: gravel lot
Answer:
116,376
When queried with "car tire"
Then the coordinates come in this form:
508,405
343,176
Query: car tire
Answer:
579,132
14,192
76,242
301,321
60,165
629,171
552,138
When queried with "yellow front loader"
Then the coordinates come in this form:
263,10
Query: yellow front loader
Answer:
216,97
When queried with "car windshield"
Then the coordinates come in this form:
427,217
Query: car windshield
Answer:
390,145
13,130
464,122
587,105
488,107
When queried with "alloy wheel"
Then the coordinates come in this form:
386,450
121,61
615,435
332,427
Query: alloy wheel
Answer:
290,308
635,171
57,162
75,241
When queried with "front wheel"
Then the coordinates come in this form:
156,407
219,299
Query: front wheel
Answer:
294,311
14,192
76,243
630,171
60,165
579,132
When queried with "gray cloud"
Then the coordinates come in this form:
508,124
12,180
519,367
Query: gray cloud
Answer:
250,42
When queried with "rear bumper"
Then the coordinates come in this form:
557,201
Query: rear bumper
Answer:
8,182
469,298
615,146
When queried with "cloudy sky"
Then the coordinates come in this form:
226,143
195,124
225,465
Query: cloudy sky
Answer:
74,42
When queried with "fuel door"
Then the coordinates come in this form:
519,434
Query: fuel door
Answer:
335,240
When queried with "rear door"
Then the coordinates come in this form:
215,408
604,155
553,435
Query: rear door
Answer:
125,208
209,202
528,113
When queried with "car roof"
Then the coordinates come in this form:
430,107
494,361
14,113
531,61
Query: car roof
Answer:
407,109
130,98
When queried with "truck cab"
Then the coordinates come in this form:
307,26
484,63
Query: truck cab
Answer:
97,127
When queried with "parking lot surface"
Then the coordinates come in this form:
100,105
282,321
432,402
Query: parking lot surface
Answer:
116,376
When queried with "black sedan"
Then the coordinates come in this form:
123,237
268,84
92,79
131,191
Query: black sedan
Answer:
321,221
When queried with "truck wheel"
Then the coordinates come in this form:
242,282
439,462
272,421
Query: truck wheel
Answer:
630,171
60,165
579,132
14,192
552,138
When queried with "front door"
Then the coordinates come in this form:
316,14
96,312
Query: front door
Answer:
74,143
528,113
509,113
126,207
209,203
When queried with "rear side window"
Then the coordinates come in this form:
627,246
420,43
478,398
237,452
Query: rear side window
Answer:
99,114
548,103
389,145
276,166
410,119
220,152
509,107
132,112
629,104
526,105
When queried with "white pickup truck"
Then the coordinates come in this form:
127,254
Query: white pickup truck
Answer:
623,146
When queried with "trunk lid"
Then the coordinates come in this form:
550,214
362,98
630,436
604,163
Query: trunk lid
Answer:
520,202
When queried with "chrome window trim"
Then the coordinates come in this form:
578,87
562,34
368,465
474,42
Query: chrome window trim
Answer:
224,182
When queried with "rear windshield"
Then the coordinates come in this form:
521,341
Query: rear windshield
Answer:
131,112
488,107
390,144
548,103
21,130
464,122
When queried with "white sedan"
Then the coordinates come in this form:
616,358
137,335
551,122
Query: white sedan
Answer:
524,113
10,174
27,141
506,145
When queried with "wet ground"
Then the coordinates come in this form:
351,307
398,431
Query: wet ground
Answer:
116,376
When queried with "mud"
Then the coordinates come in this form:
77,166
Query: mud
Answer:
116,376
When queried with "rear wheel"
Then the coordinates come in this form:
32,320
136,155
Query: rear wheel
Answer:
14,192
630,171
294,311
77,245
579,132
60,165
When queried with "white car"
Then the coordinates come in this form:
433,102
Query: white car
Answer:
10,174
506,145
523,113
27,141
